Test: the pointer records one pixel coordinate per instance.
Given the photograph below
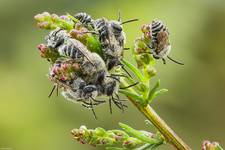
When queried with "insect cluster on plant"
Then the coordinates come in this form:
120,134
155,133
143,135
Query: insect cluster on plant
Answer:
85,55
79,70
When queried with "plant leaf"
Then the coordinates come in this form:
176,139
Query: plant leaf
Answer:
152,92
137,98
135,70
137,134
115,148
159,92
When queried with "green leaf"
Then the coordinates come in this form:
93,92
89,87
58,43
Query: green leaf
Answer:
137,134
159,92
152,92
72,18
137,98
94,45
219,148
115,148
135,70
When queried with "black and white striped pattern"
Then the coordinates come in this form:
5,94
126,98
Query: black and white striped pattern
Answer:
102,28
84,18
71,50
156,27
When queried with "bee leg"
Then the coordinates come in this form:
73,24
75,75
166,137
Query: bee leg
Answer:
110,105
118,98
57,90
52,91
119,75
113,78
89,106
122,66
126,48
129,86
92,109
97,101
117,103
164,61
177,62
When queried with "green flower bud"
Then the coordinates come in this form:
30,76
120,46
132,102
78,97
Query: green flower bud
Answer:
207,145
132,143
149,71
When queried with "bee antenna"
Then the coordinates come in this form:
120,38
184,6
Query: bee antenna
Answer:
52,91
128,21
119,16
129,86
177,62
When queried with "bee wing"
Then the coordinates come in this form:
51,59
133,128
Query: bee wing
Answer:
163,40
82,49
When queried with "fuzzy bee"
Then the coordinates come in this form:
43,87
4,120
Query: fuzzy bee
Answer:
67,75
59,40
112,39
112,48
160,44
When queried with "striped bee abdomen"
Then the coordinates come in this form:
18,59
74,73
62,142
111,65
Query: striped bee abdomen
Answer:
84,18
156,27
71,51
101,26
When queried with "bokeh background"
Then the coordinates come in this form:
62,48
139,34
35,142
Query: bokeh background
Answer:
193,107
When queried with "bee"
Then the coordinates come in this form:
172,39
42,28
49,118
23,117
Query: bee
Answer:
59,40
67,76
160,45
83,82
112,39
106,84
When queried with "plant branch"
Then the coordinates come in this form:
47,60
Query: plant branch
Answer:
164,129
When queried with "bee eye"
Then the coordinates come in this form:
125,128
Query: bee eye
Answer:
117,27
59,42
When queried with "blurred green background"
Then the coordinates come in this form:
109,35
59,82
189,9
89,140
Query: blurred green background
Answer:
193,107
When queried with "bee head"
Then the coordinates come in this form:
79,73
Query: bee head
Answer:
112,63
110,87
56,38
116,27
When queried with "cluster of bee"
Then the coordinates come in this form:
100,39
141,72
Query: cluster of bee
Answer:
83,75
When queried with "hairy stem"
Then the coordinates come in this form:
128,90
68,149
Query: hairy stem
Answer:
164,129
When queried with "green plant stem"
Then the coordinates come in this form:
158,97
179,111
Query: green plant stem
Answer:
164,129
